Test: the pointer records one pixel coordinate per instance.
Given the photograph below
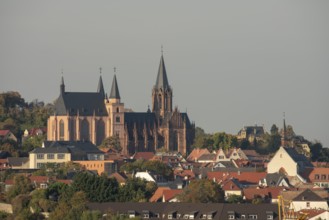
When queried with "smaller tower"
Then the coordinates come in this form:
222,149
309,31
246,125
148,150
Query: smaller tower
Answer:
115,111
284,133
62,87
100,88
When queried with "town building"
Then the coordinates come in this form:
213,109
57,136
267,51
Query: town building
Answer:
92,116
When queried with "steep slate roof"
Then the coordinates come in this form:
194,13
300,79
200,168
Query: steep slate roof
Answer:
100,88
273,179
82,103
114,89
308,195
162,79
298,158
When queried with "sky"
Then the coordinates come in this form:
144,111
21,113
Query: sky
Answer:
230,64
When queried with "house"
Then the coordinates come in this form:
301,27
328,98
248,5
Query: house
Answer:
274,179
251,133
308,200
99,166
7,135
196,153
146,176
231,187
63,151
289,161
170,195
17,163
244,178
143,155
319,176
205,211
315,214
157,195
236,154
268,194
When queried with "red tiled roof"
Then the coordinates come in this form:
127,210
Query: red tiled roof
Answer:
185,173
230,185
319,174
243,177
171,193
144,155
158,194
196,153
68,182
4,132
311,213
271,192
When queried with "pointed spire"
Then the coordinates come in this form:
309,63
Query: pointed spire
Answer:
115,89
62,87
100,88
162,80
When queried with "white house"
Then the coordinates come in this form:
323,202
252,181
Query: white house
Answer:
146,176
289,161
308,200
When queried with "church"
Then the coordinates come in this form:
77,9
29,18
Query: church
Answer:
93,116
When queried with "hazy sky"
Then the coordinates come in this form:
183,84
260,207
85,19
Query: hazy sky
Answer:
229,63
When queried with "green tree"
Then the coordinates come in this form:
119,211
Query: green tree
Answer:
234,199
202,191
112,142
22,185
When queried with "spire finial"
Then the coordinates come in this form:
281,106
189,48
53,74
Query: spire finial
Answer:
62,72
100,70
115,70
161,50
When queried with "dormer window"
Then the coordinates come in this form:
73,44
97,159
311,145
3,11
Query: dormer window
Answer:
269,215
231,215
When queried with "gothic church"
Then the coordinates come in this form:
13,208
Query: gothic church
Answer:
80,116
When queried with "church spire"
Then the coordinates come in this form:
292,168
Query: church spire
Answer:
115,89
62,87
162,80
100,88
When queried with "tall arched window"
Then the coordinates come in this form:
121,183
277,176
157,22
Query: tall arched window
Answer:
100,132
61,130
84,130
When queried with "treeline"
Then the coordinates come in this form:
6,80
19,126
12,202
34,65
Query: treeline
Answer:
17,115
69,201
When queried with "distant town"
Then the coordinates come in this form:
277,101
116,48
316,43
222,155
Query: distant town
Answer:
85,156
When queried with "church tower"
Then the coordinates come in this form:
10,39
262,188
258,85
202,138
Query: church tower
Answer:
115,109
162,92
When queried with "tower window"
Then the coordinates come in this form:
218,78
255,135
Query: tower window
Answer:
117,119
118,109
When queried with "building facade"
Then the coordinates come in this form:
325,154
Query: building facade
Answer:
93,116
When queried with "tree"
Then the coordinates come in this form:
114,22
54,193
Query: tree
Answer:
22,185
202,191
234,199
316,149
136,190
274,130
112,142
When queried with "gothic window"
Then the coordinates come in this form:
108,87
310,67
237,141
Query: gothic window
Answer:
72,130
118,109
160,102
61,130
84,130
100,132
